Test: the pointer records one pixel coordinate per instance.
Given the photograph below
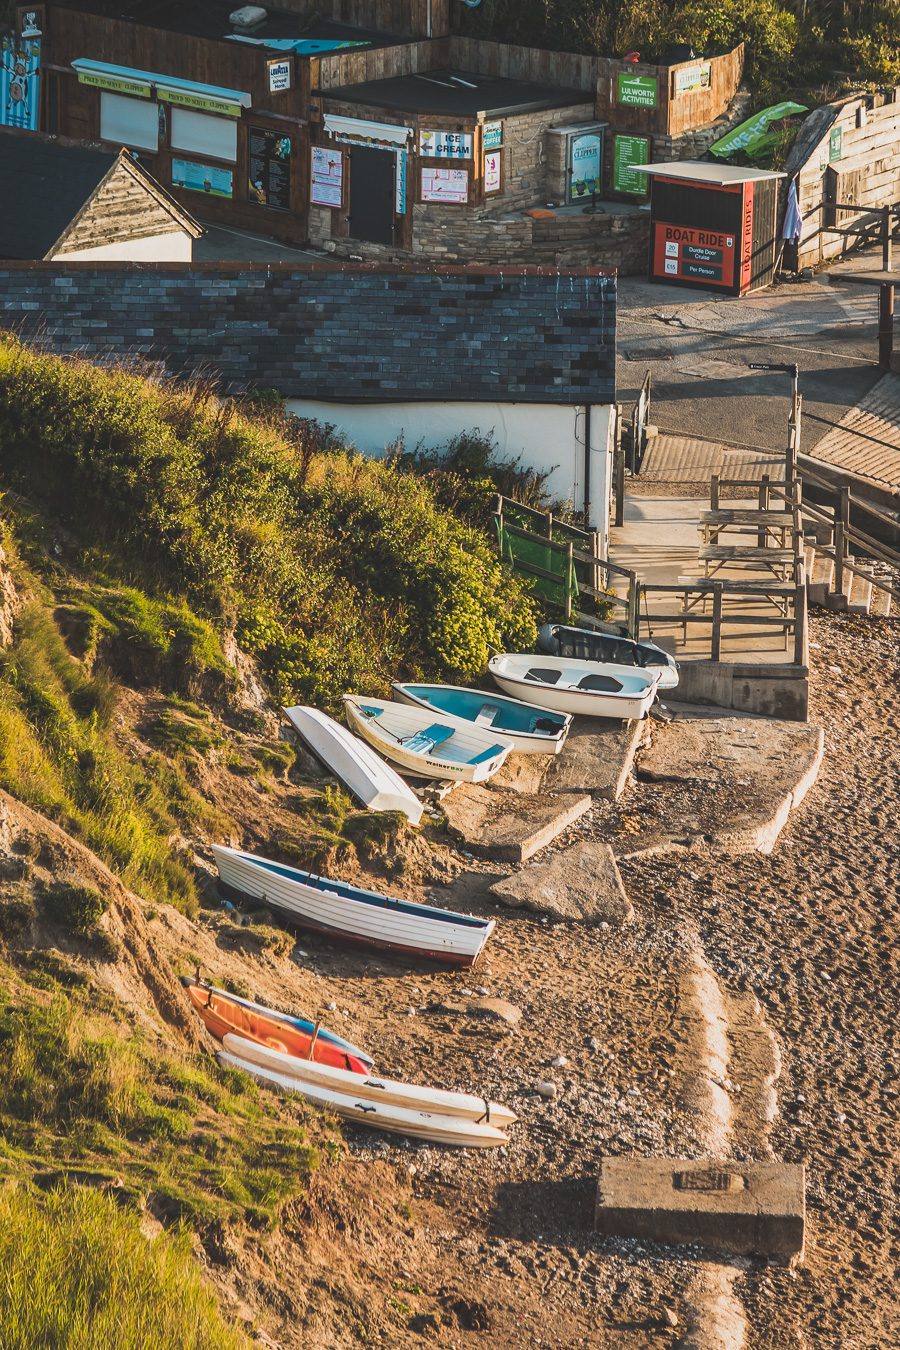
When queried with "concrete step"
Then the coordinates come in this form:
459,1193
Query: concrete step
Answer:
859,600
820,575
882,604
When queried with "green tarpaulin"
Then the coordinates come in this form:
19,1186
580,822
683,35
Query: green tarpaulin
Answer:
753,137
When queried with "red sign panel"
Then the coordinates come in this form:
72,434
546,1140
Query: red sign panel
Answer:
706,257
747,248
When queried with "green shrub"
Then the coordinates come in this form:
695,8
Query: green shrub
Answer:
338,572
76,1270
78,909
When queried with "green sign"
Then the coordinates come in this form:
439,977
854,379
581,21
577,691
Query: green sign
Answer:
835,144
185,99
628,151
640,91
117,86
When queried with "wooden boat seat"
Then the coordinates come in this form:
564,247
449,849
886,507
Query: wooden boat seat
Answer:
600,684
486,714
487,754
542,675
429,738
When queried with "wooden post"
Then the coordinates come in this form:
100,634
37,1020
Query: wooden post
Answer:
841,525
570,572
548,517
596,577
762,532
886,213
633,612
800,626
716,647
885,324
714,492
620,486
793,450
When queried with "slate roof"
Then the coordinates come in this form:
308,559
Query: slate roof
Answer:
336,330
48,184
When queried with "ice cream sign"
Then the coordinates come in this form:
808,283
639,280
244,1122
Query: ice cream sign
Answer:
445,145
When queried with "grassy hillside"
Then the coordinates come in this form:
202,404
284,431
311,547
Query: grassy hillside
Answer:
151,538
335,572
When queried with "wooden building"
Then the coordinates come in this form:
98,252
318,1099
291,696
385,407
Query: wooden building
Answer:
217,113
75,204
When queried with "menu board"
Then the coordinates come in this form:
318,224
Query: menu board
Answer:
270,169
326,184
695,255
629,151
492,180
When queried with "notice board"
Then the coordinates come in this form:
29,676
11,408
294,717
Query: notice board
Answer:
270,169
628,151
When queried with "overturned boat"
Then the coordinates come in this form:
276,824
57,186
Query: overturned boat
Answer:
584,644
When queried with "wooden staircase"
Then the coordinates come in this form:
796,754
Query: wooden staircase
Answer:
855,593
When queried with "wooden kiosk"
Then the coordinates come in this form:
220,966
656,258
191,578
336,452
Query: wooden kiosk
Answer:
712,226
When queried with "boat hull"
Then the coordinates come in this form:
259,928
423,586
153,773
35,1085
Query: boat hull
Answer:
523,742
584,644
372,1088
435,1128
580,703
352,915
353,761
292,1037
430,765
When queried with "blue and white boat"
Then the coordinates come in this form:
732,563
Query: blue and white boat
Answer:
531,729
425,746
351,913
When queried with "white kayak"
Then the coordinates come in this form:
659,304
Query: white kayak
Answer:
567,685
384,1090
426,744
371,781
435,1128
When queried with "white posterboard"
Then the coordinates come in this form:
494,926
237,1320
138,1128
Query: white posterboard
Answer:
445,185
326,182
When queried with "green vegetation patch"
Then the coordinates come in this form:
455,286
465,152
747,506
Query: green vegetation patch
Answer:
337,572
76,1270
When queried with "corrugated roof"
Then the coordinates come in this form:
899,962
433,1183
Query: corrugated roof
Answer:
866,441
346,331
698,171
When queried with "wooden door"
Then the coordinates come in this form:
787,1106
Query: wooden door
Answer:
372,195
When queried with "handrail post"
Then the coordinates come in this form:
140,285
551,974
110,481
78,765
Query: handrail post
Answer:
634,607
762,533
800,626
548,517
716,641
886,213
595,570
841,526
714,492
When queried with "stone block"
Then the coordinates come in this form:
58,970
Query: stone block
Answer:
742,1208
581,882
507,825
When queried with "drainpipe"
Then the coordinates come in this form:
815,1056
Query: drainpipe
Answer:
587,465
428,18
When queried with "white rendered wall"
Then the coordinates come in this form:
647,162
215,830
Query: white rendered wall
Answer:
545,436
174,247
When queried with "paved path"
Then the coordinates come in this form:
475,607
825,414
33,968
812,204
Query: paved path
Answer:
698,347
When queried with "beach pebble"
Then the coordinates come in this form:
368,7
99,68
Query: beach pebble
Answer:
835,670
669,1317
593,1043
546,1090
559,1062
481,991
330,1007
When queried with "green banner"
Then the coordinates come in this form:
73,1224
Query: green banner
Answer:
835,144
628,151
115,85
639,91
753,137
202,102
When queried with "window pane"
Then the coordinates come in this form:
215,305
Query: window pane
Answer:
129,121
204,135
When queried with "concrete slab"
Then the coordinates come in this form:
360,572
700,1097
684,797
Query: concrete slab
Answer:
510,826
596,758
743,1208
734,783
581,882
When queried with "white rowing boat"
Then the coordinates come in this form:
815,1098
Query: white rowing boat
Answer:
384,1090
351,760
571,686
435,1128
351,913
532,730
425,745
586,644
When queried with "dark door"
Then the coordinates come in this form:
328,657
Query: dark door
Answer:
372,195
